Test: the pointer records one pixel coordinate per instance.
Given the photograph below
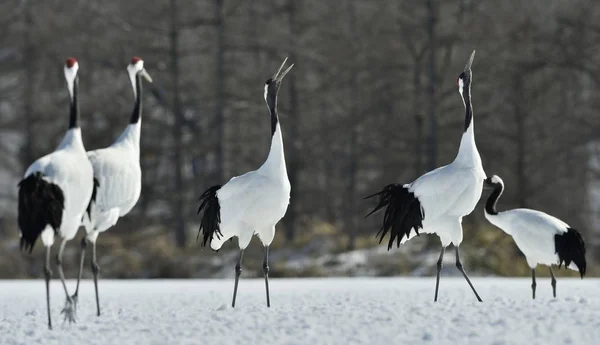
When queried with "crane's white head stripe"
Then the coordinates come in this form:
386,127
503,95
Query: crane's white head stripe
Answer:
70,74
266,90
133,69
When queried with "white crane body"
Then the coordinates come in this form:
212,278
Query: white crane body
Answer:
251,204
69,169
449,193
117,169
533,232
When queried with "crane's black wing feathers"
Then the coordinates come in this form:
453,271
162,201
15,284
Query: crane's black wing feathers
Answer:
211,215
403,213
41,203
88,210
569,247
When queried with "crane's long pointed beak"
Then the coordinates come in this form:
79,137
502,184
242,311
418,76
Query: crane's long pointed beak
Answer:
146,75
278,76
279,70
470,62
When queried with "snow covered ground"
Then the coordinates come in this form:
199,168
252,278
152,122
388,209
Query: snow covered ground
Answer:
310,311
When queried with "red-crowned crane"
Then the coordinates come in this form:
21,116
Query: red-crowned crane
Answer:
437,201
250,204
544,239
55,192
118,175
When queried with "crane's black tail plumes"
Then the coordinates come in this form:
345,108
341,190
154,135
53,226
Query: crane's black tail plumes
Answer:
88,210
570,248
41,203
403,213
211,215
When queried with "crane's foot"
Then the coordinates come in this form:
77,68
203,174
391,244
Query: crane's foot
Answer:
69,311
74,299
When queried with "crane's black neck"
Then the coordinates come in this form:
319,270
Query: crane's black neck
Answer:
137,107
468,105
490,205
74,115
272,104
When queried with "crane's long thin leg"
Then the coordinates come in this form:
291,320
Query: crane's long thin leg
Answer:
266,271
461,269
533,284
81,261
238,272
439,269
95,271
553,282
68,309
48,276
61,274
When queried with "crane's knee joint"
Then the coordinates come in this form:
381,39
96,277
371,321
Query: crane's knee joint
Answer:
459,265
47,272
84,243
266,268
95,267
238,270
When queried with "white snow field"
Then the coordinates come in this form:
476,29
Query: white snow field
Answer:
307,311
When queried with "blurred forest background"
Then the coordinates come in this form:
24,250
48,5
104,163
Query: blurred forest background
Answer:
371,100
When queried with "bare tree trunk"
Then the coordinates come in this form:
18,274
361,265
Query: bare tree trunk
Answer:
418,119
292,130
433,125
329,167
220,92
178,209
27,153
520,118
253,30
353,167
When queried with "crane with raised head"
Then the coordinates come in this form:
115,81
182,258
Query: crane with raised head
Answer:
437,201
253,203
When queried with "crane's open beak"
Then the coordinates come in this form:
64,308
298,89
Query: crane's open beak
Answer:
278,76
470,62
146,75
